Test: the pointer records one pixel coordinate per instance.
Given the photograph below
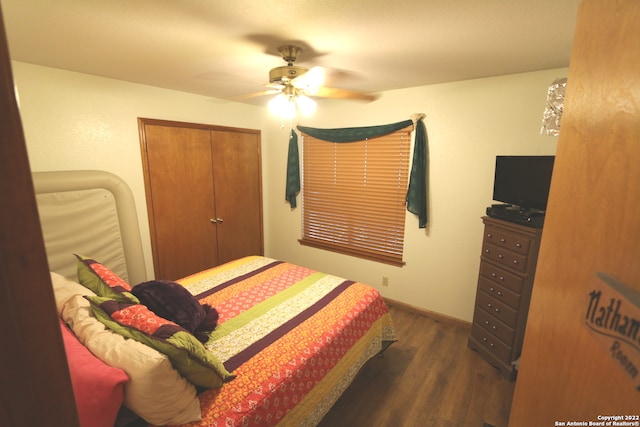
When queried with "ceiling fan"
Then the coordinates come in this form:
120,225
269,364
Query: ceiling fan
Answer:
295,85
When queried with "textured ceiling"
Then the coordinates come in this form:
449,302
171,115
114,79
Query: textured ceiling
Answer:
224,49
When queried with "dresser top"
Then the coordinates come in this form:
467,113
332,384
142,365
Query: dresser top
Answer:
487,220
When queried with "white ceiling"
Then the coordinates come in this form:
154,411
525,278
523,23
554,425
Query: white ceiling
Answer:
223,49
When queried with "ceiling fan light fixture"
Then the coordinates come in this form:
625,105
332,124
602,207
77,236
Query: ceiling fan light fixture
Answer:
282,106
306,105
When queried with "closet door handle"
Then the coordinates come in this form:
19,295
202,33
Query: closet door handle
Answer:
216,220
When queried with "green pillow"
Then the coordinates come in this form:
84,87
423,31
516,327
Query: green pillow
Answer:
102,281
186,353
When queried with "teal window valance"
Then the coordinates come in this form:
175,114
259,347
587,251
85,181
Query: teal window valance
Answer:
353,134
417,191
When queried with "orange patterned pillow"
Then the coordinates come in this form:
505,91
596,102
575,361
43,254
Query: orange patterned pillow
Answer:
102,281
186,353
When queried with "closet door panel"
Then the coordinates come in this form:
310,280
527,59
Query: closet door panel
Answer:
237,187
180,194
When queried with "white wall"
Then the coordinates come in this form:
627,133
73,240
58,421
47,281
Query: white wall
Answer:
77,121
468,124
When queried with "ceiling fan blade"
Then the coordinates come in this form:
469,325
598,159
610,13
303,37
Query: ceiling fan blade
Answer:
255,94
311,81
330,92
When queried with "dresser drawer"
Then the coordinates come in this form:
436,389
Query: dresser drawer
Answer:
504,239
504,257
491,343
501,277
499,292
494,327
497,309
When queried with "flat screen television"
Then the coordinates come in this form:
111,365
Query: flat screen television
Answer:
523,181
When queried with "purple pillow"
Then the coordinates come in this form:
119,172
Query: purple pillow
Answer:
172,301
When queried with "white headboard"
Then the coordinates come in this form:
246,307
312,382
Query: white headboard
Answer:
89,213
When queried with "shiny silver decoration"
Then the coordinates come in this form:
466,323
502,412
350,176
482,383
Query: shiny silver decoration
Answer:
553,110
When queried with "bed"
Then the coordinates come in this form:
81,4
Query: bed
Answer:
287,342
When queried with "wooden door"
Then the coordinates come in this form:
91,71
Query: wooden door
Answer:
566,373
179,181
204,197
238,195
36,384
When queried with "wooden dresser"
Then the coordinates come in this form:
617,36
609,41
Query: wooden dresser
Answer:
507,269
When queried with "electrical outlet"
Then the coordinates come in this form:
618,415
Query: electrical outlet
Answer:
385,281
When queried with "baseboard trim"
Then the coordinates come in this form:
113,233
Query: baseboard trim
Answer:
427,313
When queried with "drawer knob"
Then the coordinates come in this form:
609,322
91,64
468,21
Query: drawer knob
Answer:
487,251
515,261
494,329
499,293
486,322
500,256
501,278
489,235
518,245
502,240
497,310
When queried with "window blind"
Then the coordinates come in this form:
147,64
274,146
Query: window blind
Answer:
353,195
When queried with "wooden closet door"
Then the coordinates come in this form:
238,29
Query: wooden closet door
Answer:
179,181
237,187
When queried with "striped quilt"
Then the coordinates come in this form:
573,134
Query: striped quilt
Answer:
294,337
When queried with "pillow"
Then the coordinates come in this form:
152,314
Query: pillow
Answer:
98,387
102,281
174,302
187,354
155,391
64,289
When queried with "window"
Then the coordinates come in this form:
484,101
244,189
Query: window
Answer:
353,195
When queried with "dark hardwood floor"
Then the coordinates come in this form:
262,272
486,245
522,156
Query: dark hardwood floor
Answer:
428,378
